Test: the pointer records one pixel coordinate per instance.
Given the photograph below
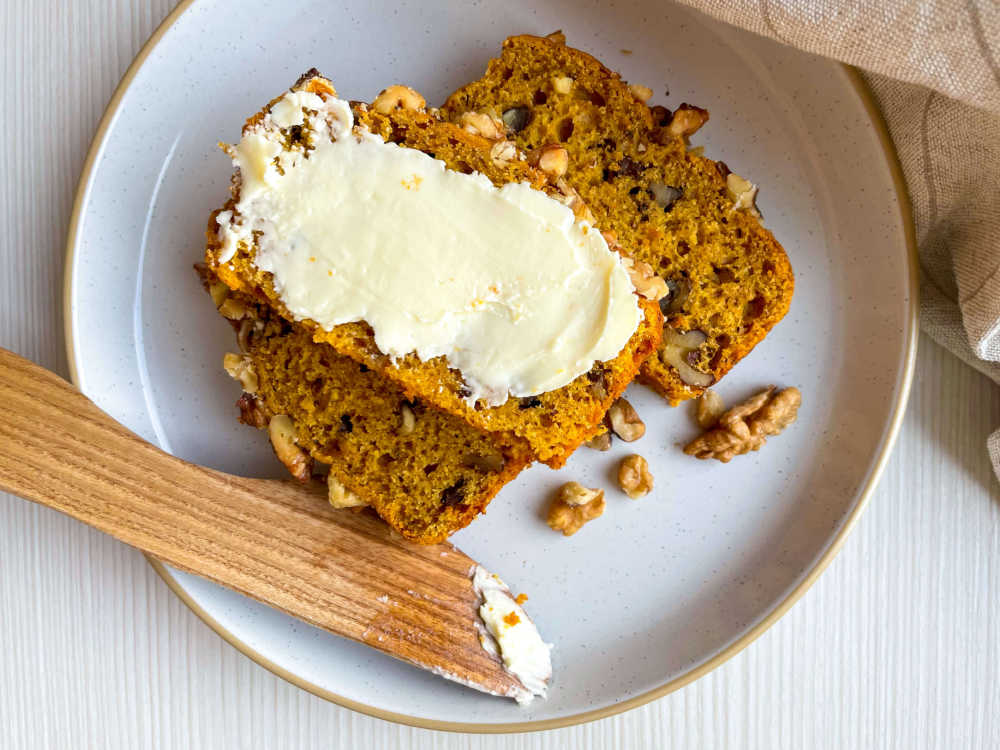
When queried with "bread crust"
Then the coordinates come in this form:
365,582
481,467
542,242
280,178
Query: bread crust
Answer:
548,427
729,276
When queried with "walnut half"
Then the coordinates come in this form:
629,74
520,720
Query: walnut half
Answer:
747,426
573,506
634,477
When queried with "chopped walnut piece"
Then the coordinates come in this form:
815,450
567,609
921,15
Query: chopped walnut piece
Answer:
218,291
747,426
480,123
708,408
640,93
611,237
503,153
252,412
398,97
600,442
408,420
625,422
598,387
634,477
281,430
687,120
646,283
572,199
233,309
573,506
241,368
340,496
674,351
556,36
553,159
562,84
574,493
247,326
743,194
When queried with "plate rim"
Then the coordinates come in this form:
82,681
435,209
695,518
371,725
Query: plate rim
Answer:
865,95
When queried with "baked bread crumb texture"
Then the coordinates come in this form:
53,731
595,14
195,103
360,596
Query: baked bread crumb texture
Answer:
399,435
730,281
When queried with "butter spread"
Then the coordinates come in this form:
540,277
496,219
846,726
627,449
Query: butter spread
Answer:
503,282
512,636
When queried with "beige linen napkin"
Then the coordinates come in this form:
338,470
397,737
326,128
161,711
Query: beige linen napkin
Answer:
934,67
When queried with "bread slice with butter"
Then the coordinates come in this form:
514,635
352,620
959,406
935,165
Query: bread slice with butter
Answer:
546,426
425,472
685,215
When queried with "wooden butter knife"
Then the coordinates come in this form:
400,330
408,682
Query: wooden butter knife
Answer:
278,542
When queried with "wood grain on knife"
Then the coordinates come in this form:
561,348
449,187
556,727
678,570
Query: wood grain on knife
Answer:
276,541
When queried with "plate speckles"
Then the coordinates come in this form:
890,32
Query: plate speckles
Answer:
657,587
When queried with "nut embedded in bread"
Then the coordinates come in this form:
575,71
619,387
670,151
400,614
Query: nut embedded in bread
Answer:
546,427
683,214
426,473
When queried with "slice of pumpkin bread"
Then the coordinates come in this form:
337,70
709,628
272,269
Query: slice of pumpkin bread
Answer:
546,427
685,215
425,472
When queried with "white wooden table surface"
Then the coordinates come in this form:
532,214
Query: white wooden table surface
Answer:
897,645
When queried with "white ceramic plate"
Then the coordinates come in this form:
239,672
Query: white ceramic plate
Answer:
658,590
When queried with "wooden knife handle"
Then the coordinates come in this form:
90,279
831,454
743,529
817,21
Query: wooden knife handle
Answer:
278,542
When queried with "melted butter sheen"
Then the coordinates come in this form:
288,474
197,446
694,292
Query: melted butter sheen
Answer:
501,281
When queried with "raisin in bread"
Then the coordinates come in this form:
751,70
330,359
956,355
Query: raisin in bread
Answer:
547,427
685,215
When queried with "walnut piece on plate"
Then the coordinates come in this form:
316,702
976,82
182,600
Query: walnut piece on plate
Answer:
634,476
625,421
747,426
573,506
